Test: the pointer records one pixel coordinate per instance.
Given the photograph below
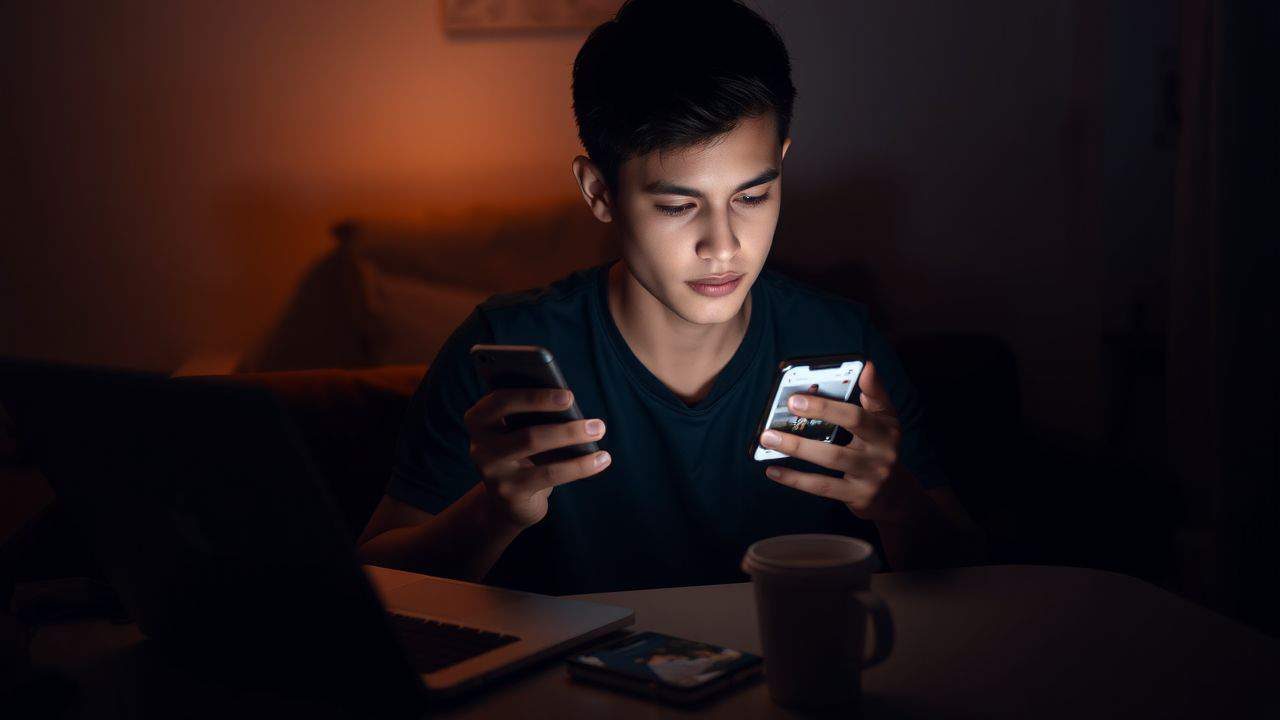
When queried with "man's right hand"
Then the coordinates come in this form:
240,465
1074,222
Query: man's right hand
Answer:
517,489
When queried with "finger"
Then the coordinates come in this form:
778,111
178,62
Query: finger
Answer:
873,396
875,430
486,415
857,462
857,494
813,483
525,442
565,471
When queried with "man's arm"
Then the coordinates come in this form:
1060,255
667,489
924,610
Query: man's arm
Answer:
463,542
935,532
466,538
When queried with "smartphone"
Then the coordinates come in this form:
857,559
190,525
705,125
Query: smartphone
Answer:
516,367
668,668
831,376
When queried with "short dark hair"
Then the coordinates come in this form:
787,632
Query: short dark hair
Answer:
669,74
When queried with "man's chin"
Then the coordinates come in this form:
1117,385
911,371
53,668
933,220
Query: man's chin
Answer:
709,311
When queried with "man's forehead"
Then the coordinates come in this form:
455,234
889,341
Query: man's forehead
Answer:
728,159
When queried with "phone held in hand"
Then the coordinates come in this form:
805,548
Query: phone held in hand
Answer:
831,376
517,367
668,668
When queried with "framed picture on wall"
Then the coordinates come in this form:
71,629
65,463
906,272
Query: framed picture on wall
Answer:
496,17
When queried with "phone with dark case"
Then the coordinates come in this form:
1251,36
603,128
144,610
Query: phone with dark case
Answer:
668,668
829,376
517,367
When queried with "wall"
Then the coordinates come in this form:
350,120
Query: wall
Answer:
175,166
949,149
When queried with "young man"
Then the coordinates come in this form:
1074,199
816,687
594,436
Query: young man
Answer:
684,110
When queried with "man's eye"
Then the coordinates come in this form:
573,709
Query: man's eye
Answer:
680,209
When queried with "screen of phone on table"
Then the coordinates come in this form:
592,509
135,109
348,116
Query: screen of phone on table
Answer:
669,660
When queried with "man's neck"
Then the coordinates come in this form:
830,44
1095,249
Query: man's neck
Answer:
685,356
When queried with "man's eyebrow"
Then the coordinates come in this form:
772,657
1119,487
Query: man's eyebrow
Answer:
662,187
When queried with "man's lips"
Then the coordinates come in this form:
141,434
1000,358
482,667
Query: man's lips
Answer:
720,279
716,285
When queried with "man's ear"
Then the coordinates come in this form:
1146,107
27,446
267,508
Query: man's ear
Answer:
594,189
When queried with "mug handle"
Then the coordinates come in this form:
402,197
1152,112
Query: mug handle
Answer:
883,623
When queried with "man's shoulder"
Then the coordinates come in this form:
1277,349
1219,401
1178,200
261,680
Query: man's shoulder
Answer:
557,303
567,288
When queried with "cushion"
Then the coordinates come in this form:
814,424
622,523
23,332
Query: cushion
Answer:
406,319
392,293
487,248
324,324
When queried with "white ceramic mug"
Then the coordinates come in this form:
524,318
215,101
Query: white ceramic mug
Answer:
813,598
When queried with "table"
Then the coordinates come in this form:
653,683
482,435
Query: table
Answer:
997,641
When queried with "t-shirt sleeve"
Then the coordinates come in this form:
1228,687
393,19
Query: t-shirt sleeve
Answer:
918,452
433,465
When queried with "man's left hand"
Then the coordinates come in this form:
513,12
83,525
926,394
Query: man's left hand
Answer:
873,485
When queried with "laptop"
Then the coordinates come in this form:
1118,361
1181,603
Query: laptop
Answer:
214,527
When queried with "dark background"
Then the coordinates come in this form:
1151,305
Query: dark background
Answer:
1082,190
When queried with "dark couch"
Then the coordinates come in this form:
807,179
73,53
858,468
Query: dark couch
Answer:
348,420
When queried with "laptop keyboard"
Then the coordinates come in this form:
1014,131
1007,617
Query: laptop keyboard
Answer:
433,645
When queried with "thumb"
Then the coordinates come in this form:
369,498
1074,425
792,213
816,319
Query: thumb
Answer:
873,395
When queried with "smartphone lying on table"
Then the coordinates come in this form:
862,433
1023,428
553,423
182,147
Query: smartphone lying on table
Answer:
830,376
668,668
523,367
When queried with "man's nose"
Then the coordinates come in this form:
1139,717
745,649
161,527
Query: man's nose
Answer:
719,243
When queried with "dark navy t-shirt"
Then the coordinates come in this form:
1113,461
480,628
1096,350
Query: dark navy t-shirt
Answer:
682,498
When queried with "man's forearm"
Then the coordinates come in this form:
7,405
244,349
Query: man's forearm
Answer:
462,542
928,537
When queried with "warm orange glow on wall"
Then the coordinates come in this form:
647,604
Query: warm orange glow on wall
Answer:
190,158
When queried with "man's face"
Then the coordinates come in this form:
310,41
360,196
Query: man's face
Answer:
693,214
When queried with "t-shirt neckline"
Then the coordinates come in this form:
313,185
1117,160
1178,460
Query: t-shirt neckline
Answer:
725,380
